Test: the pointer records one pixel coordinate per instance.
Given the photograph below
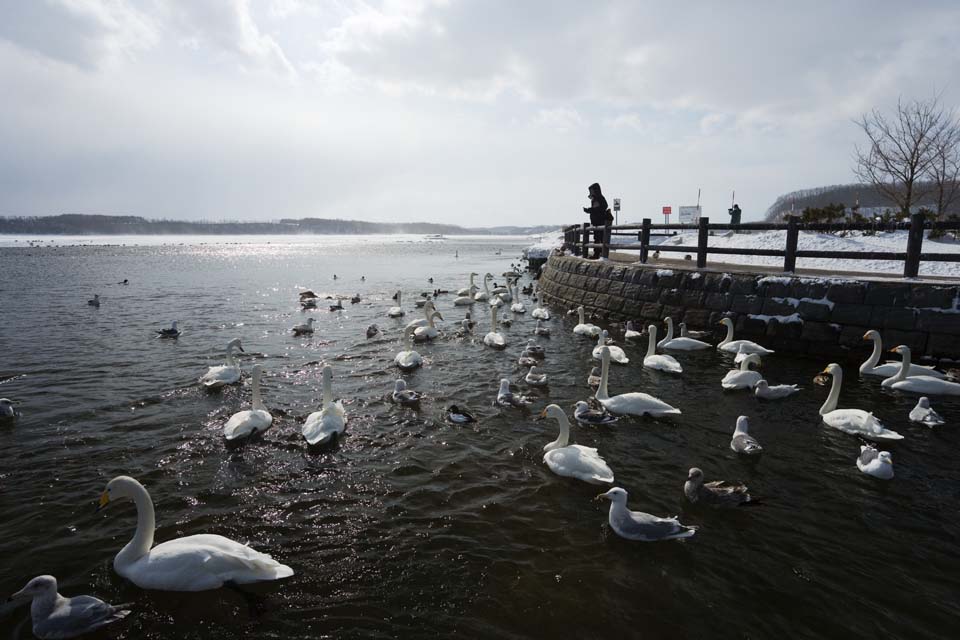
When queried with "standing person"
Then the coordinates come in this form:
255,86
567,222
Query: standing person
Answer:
599,214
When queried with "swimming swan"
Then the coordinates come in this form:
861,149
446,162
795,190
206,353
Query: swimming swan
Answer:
617,354
397,311
471,289
254,420
484,295
408,359
853,421
494,338
634,403
323,426
682,343
918,384
573,460
229,373
429,332
428,308
654,361
743,378
583,329
871,366
730,345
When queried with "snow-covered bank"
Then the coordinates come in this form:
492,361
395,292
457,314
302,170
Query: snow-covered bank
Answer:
545,246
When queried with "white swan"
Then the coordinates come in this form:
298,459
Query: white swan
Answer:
191,563
54,616
631,333
730,345
322,426
764,391
682,343
306,327
540,314
853,421
229,373
617,354
918,384
573,460
428,332
397,311
428,308
494,338
637,525
517,307
743,378
254,420
462,301
484,295
659,362
408,359
469,290
871,366
634,403
584,329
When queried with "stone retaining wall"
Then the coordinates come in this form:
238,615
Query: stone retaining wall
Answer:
797,314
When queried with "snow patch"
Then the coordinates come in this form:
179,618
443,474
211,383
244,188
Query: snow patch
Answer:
795,302
793,317
695,275
664,272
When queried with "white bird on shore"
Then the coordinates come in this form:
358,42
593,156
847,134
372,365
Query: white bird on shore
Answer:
584,329
254,420
222,375
54,616
323,426
653,360
872,366
192,563
617,354
878,464
743,378
764,391
304,328
637,525
922,413
853,421
634,403
397,311
730,345
742,441
918,383
573,460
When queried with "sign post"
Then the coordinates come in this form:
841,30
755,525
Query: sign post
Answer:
616,210
666,214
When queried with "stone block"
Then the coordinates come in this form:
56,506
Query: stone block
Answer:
692,281
887,294
847,292
648,277
746,304
649,294
616,273
637,275
814,311
943,345
717,301
615,288
588,298
632,309
691,298
630,291
901,318
671,296
938,322
675,312
651,310
741,284
805,288
582,266
852,336
715,282
601,285
784,330
774,288
697,318
745,325
857,314
671,281
821,332
773,307
916,340
930,297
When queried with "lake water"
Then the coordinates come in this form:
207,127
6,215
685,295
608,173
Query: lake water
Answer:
410,527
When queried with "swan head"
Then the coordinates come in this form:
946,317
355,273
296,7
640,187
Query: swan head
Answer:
581,405
652,330
310,321
174,325
399,385
553,411
615,495
831,369
409,331
39,586
902,349
695,474
119,488
727,322
668,321
487,276
436,314
474,275
872,334
235,344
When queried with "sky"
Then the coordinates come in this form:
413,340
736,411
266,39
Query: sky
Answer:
479,113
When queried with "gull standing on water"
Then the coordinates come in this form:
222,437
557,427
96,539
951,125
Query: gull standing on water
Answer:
714,494
95,302
54,616
637,525
878,464
304,328
742,441
922,413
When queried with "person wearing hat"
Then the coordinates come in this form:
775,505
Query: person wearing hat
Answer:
599,215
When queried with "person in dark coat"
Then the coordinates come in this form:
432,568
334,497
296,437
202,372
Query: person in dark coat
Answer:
599,214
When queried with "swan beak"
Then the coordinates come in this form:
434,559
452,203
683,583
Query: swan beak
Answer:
824,372
104,501
866,337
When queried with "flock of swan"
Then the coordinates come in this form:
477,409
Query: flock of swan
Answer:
207,561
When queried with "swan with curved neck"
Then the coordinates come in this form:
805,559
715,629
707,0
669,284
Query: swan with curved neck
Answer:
617,354
470,289
192,563
584,329
518,306
397,311
730,345
216,377
902,381
428,308
254,420
872,366
408,359
323,426
430,331
682,343
659,362
485,294
852,421
573,460
494,338
634,403
743,378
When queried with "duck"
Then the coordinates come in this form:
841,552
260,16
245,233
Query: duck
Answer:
918,384
469,290
593,378
922,413
541,330
172,333
714,494
640,526
743,378
429,332
583,414
483,296
252,421
408,359
853,421
428,309
229,373
535,379
682,343
631,333
653,360
338,306
95,302
404,396
617,354
323,426
506,398
8,408
192,563
634,403
871,366
372,330
494,338
304,328
540,314
456,415
764,391
355,298
397,311
584,329
878,464
742,442
573,460
730,345
54,616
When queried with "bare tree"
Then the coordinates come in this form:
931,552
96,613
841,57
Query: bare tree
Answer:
901,150
944,171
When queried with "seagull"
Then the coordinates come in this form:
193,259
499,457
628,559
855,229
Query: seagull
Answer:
924,413
57,617
583,414
338,306
878,464
306,327
541,330
505,398
765,392
536,379
593,379
7,409
172,332
533,351
743,442
404,396
637,525
716,493
372,330
95,302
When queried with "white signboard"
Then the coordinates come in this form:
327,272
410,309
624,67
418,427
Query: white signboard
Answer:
689,215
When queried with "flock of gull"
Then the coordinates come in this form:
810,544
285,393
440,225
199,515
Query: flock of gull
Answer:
206,561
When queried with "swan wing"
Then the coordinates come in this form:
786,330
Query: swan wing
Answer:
859,422
662,363
220,375
928,384
638,404
245,423
685,344
582,463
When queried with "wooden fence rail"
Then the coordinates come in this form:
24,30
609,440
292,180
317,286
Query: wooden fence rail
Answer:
577,239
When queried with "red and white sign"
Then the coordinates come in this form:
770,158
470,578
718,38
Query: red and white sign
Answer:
667,211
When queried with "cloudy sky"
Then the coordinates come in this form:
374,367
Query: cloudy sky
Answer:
475,112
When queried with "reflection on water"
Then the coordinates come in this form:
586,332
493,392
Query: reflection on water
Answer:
412,527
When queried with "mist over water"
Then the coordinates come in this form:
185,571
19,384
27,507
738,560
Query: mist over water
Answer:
410,526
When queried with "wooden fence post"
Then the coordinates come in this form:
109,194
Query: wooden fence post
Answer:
793,234
584,239
645,240
702,242
606,241
911,267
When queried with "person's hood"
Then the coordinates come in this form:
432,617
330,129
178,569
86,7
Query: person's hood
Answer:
594,189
